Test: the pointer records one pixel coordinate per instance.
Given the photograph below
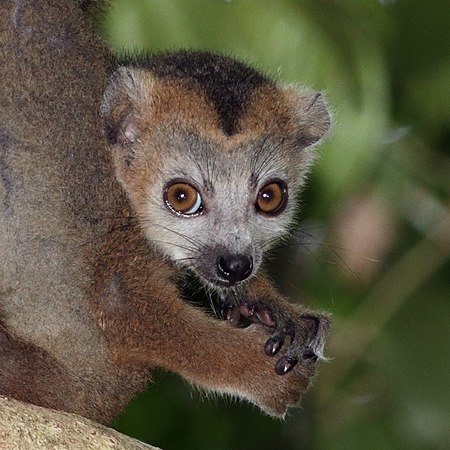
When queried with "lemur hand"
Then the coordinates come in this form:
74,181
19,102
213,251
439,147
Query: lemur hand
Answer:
306,330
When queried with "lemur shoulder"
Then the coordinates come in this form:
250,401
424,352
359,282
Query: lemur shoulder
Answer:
115,177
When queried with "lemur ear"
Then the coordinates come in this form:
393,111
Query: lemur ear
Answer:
118,109
312,116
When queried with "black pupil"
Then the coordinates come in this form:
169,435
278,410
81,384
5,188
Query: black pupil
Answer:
267,195
181,195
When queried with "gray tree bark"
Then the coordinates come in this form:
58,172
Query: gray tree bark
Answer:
29,427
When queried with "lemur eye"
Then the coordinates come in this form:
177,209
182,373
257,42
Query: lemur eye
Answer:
184,199
272,198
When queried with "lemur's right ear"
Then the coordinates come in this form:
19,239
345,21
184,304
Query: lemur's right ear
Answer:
312,115
119,107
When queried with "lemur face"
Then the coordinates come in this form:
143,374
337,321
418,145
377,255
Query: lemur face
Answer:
216,209
212,155
223,221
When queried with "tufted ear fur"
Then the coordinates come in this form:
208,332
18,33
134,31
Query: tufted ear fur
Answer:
312,116
119,109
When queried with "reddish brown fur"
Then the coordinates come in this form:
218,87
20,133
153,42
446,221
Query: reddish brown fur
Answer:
281,110
171,100
169,333
87,306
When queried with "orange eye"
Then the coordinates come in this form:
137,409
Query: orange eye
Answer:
272,198
183,199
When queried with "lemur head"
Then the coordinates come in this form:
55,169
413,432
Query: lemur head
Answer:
212,155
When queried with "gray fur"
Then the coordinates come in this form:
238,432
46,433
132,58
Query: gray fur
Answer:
87,306
227,172
228,181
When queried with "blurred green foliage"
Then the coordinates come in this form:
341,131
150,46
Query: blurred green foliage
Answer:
373,247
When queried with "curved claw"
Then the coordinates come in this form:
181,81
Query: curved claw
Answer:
231,314
246,310
265,316
285,364
273,345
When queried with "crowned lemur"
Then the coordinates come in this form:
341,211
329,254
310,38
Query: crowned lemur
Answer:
117,175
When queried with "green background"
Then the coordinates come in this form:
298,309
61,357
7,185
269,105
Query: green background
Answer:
374,241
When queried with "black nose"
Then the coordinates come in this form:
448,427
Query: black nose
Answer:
234,268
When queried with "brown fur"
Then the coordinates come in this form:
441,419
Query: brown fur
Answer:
87,305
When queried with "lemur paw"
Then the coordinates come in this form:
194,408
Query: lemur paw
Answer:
305,330
261,384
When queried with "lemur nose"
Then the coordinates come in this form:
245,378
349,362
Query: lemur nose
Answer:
234,268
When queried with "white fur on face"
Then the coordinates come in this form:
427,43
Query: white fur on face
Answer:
228,182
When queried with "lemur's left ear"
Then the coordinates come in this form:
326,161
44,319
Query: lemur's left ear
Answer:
311,115
119,107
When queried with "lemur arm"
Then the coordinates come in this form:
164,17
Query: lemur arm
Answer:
155,326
